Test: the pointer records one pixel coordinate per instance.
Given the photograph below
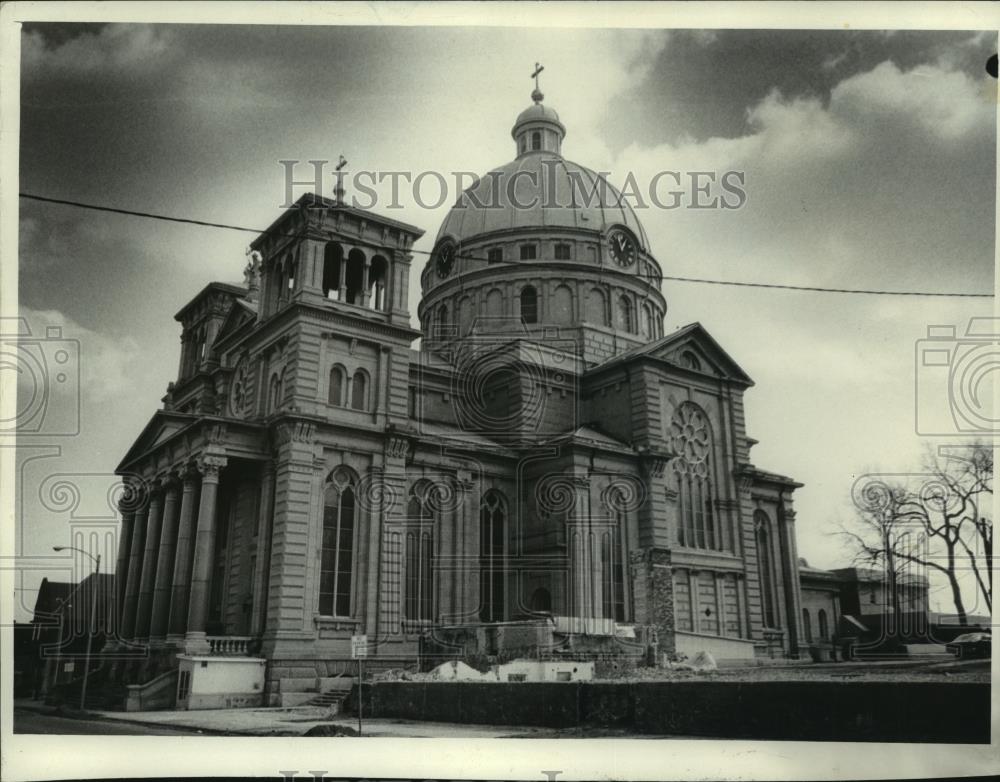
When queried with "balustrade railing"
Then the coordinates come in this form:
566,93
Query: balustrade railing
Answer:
230,645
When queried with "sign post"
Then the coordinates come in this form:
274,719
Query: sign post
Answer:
359,651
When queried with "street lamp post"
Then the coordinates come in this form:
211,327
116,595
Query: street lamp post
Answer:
93,616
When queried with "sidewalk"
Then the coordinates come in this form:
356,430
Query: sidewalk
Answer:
291,722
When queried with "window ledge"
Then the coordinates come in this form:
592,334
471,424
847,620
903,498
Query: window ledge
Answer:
336,622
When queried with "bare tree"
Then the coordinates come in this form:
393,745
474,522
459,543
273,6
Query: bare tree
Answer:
937,520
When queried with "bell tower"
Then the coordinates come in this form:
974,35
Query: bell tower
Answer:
333,311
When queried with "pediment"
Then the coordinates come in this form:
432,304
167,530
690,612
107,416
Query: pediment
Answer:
690,348
161,427
240,314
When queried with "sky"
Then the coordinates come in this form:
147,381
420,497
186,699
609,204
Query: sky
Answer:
868,156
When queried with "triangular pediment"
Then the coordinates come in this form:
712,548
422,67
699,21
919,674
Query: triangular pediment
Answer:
690,348
161,427
240,314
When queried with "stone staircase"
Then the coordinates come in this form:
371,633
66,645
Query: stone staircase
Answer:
319,691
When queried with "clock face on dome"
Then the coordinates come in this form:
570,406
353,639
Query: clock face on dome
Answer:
445,260
622,248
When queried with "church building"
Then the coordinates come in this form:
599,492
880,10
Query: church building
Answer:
549,475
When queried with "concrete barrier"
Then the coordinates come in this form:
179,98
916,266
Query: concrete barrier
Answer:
813,711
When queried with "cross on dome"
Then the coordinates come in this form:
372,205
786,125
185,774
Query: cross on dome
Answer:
536,94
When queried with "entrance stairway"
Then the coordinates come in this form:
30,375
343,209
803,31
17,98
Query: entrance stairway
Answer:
327,691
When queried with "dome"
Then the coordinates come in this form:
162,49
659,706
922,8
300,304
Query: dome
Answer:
540,190
535,113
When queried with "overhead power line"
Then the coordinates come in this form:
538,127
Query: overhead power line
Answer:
734,283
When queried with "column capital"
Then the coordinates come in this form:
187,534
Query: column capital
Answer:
210,465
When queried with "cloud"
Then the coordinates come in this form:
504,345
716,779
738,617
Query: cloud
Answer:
945,104
107,365
121,49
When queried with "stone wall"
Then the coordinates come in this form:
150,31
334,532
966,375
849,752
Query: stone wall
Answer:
797,710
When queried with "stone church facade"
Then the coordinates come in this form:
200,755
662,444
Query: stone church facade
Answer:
549,474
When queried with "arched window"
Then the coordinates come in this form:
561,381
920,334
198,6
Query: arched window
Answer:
690,361
691,438
359,390
337,552
626,321
807,629
597,312
492,550
649,324
536,140
765,569
354,279
333,256
612,561
418,603
337,391
529,304
824,628
442,321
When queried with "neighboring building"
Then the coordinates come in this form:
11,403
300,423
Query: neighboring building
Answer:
61,623
873,619
549,474
820,609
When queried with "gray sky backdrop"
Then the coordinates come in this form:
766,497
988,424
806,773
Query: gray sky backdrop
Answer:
869,160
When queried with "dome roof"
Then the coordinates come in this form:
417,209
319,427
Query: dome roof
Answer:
547,191
535,112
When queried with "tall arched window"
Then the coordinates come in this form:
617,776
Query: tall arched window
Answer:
824,628
418,601
492,550
626,319
536,140
529,304
337,552
442,320
336,395
612,561
359,390
807,628
333,254
354,279
765,568
649,322
691,438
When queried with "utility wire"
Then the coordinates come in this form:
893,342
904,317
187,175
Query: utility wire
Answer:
775,286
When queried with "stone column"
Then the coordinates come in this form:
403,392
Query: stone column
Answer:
265,515
790,577
145,608
127,630
181,581
165,563
366,274
204,552
121,564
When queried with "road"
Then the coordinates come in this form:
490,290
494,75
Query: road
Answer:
32,722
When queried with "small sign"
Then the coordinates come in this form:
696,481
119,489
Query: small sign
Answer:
359,646
68,667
